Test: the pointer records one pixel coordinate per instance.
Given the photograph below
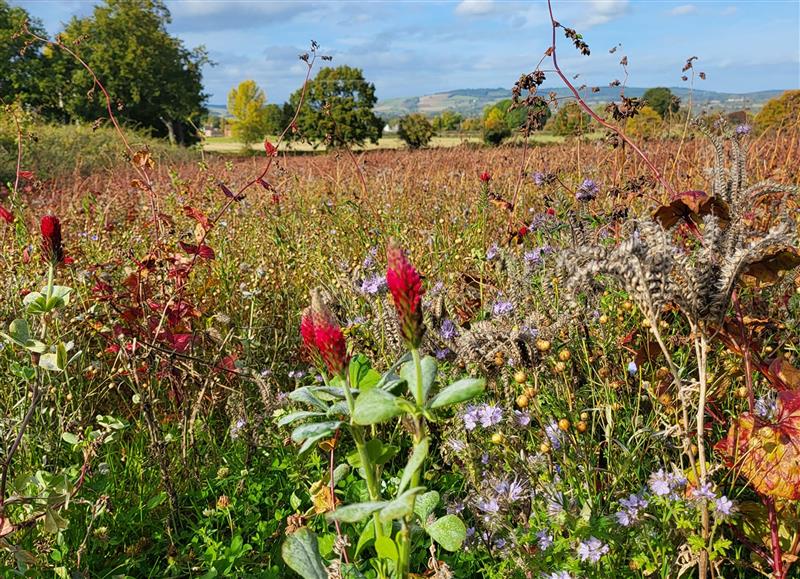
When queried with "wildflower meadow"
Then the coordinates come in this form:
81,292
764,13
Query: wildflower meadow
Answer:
569,359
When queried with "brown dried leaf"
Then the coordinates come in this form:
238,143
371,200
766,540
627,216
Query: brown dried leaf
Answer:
691,205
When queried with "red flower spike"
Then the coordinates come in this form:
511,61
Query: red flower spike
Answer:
6,215
52,249
330,342
523,231
486,177
405,285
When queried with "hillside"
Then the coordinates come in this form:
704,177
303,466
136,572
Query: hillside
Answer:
471,102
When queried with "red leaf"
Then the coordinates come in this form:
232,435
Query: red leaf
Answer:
198,216
691,205
6,215
271,149
25,175
180,342
203,251
231,194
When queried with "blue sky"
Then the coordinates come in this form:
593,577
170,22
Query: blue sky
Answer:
410,48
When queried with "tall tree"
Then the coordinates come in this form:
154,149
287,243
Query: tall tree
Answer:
662,101
415,130
247,105
20,62
338,108
154,81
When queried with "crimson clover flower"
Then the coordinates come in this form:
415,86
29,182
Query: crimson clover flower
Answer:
323,339
52,249
485,177
6,215
405,285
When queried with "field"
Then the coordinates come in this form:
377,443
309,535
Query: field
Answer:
166,377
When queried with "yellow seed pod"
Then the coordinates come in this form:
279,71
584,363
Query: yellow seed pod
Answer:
662,372
520,377
531,391
564,355
741,392
584,416
665,399
544,448
603,372
559,367
542,345
627,306
645,323
564,424
497,438
603,319
581,427
522,401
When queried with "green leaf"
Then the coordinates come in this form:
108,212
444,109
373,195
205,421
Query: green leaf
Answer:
458,392
400,507
409,373
304,395
293,416
362,376
449,531
70,438
19,332
375,406
355,512
49,362
425,504
378,452
414,462
314,429
53,522
61,356
300,551
386,548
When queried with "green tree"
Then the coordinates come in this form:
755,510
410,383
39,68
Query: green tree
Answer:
20,64
153,80
338,108
495,126
782,112
569,121
275,120
662,101
447,121
415,130
645,125
247,106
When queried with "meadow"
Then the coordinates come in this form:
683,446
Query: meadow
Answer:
554,378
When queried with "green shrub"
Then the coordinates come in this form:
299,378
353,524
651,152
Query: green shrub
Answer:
415,131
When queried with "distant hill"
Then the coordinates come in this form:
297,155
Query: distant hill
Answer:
471,102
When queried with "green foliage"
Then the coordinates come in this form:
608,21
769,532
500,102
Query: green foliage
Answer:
415,130
246,103
495,126
569,121
662,101
337,109
20,66
447,121
646,125
780,113
154,81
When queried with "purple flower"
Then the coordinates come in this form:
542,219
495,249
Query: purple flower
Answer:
491,253
587,191
723,506
553,434
631,507
502,307
522,418
766,407
374,285
539,178
558,575
471,417
443,353
456,445
704,492
490,415
489,506
447,330
662,483
592,549
632,368
544,539
369,260
743,129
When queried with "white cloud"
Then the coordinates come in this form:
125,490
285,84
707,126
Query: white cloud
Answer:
599,12
683,9
475,7
729,11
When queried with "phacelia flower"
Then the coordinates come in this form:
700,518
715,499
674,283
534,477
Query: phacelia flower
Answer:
544,539
491,253
558,575
632,368
405,285
485,177
743,129
502,307
553,434
52,249
587,191
662,483
592,549
723,506
704,492
447,330
373,285
631,507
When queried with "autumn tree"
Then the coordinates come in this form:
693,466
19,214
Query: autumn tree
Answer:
645,125
415,130
337,109
247,106
781,112
569,121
